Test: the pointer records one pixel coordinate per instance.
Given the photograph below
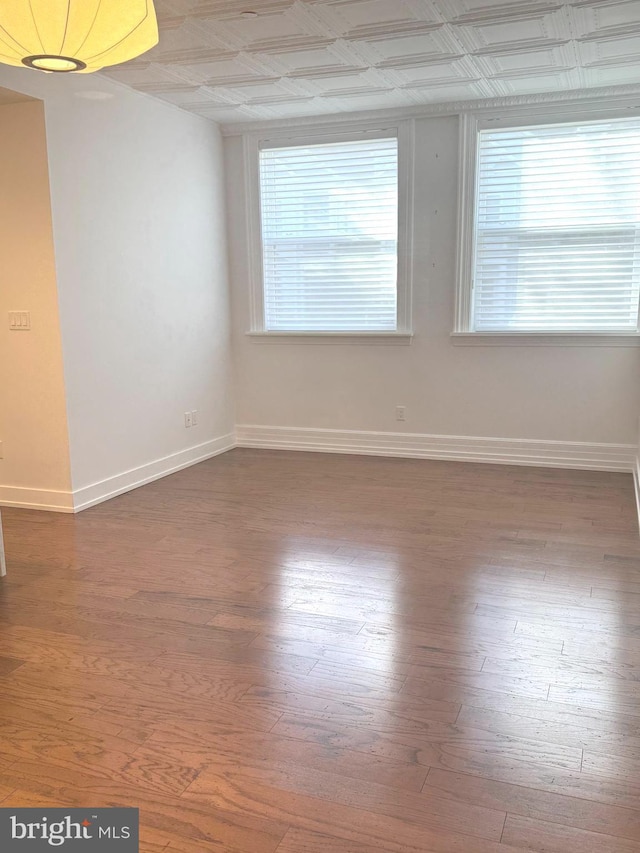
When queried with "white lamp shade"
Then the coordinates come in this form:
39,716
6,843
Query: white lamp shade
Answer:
75,35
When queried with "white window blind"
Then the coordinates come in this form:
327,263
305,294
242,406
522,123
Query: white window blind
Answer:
557,228
330,236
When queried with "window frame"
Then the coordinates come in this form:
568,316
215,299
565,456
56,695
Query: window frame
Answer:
252,144
463,333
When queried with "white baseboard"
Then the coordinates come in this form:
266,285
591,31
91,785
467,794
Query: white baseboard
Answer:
636,483
127,481
506,451
48,499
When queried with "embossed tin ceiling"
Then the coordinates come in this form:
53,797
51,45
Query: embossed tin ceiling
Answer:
315,57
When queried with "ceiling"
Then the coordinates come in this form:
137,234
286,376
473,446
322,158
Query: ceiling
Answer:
313,57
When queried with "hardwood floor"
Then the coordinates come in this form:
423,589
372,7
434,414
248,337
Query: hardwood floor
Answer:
328,654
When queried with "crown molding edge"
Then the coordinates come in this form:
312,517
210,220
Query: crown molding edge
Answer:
603,99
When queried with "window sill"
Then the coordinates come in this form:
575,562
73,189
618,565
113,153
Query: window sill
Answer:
545,339
323,338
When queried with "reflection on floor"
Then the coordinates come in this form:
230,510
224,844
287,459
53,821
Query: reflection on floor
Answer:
332,654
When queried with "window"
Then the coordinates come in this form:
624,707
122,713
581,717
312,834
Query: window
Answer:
328,226
555,233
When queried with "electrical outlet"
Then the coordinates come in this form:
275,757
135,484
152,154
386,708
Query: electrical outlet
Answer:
194,417
401,413
188,420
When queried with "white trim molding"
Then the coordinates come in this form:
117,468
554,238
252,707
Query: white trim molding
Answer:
361,338
460,448
3,561
95,493
503,451
128,480
636,475
46,499
253,142
602,99
545,339
467,189
471,125
636,482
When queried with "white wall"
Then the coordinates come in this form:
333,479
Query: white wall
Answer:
138,213
556,394
140,248
33,424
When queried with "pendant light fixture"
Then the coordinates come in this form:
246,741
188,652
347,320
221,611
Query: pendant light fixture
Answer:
75,35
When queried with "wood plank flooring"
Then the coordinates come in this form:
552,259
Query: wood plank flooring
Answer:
329,654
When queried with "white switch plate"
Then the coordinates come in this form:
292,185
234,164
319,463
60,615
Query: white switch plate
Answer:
19,321
194,417
187,419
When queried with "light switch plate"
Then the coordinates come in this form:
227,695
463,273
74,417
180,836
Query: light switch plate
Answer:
20,321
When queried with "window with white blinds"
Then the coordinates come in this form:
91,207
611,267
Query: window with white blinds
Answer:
329,222
557,228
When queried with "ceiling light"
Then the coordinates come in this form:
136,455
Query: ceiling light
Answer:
249,14
75,35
